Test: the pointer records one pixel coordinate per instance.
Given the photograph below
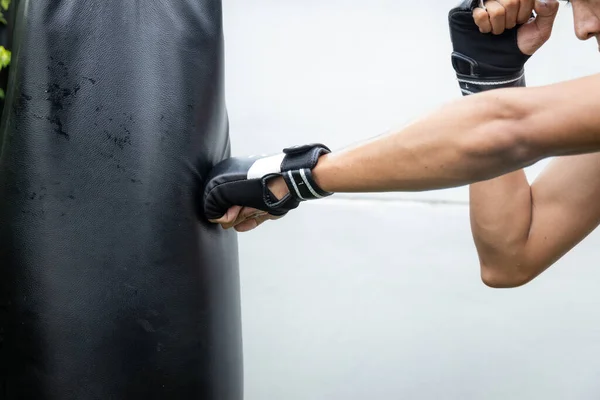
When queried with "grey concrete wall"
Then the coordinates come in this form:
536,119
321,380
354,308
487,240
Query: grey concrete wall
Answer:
379,296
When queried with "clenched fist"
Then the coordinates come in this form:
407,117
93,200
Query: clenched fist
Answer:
496,16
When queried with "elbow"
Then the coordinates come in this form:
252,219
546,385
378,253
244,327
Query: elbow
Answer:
518,146
506,276
503,139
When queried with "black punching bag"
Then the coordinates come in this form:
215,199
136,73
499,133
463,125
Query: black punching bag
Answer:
112,285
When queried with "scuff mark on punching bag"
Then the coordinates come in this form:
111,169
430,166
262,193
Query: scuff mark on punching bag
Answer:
55,98
59,96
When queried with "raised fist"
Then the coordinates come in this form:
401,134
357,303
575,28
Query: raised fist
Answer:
496,16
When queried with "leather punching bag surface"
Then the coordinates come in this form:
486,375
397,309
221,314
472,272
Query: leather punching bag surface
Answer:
112,285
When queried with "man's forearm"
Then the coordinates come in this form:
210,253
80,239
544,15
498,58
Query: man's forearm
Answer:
501,216
469,140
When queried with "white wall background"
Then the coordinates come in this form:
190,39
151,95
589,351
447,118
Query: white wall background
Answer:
378,296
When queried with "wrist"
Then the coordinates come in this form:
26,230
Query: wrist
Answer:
297,177
322,173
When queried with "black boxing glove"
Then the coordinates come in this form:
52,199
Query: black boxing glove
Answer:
484,61
240,181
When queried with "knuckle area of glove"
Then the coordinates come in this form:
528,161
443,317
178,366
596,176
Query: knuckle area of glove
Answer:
217,194
220,195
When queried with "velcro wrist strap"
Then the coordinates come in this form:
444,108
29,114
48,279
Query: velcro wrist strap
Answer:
475,83
296,169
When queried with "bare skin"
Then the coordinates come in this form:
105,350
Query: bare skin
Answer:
519,229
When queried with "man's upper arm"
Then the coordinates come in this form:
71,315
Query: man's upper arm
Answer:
565,208
561,118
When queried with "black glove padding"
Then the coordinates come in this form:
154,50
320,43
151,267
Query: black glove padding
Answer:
240,181
484,61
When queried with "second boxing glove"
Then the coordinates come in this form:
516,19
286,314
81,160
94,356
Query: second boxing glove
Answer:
484,61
